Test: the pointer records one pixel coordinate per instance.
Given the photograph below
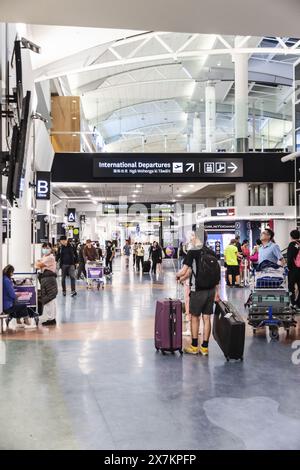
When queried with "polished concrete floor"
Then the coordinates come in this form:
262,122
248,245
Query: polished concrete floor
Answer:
96,382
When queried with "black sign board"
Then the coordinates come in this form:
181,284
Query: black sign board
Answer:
253,166
42,228
220,226
71,215
223,211
143,166
43,185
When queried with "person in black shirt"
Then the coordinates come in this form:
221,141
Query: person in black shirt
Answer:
67,258
201,299
81,262
294,271
155,253
110,253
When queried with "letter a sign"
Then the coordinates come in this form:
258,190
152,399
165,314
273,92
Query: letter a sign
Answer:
43,185
71,215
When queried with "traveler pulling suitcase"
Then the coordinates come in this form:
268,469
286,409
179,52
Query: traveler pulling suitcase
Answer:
229,330
146,267
168,325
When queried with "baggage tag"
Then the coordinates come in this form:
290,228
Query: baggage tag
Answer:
228,315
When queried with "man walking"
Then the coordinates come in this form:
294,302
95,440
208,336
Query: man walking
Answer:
231,257
127,252
201,265
67,258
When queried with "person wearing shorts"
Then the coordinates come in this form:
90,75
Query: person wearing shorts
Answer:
201,302
231,257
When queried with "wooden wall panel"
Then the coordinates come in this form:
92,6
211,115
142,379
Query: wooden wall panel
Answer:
65,114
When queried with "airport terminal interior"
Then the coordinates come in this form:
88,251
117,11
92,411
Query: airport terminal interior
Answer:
150,213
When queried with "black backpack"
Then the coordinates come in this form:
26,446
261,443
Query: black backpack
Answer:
208,272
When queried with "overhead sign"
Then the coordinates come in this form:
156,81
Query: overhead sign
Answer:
219,226
43,185
172,167
130,166
153,219
71,215
223,211
266,212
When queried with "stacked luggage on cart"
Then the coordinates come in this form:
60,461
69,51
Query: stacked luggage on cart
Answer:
269,302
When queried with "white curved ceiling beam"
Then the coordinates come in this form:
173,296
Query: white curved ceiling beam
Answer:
42,75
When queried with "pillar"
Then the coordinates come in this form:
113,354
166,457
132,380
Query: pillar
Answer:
195,140
20,243
282,228
241,197
210,117
241,99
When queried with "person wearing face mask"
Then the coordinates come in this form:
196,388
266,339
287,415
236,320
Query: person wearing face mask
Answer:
49,290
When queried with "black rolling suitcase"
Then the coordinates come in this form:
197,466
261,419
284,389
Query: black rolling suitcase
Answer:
229,330
146,267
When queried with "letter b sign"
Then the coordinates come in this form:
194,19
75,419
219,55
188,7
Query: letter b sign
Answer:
43,179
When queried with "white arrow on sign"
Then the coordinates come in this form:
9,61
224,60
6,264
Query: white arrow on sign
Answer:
233,168
190,167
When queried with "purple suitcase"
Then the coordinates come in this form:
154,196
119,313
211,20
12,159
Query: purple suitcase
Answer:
168,325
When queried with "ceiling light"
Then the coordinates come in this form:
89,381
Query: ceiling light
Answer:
184,191
138,185
136,191
84,185
95,202
179,195
192,185
74,135
89,195
219,64
174,200
86,191
74,117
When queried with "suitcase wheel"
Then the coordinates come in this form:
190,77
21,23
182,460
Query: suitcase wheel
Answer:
274,333
37,321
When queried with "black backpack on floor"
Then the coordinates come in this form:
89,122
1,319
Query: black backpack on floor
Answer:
208,272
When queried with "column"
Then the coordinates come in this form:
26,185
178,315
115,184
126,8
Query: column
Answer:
282,228
210,117
20,244
93,230
241,197
241,99
195,140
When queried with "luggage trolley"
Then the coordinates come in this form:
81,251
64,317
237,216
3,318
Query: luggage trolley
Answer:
269,303
95,273
26,289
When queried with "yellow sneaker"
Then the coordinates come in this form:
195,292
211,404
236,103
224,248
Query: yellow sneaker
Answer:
191,350
203,351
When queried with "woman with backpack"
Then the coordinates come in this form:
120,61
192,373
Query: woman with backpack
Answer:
293,263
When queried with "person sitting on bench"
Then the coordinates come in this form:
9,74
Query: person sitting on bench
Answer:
11,306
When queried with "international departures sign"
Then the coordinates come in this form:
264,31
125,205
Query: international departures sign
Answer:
108,167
